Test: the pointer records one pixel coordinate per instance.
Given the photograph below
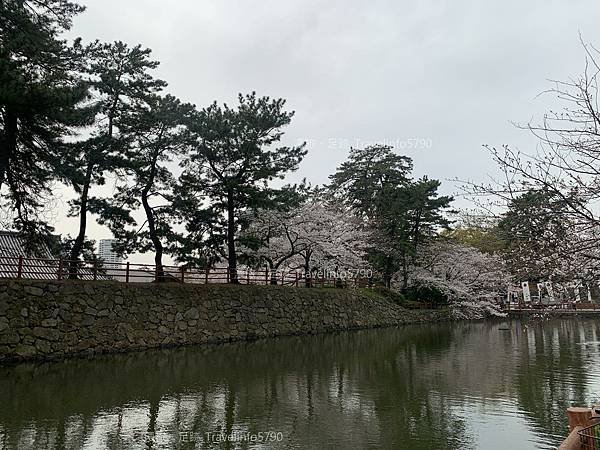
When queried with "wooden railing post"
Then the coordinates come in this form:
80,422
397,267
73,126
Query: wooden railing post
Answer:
266,276
183,275
20,268
60,269
227,275
95,270
296,278
127,272
247,276
206,275
282,277
578,416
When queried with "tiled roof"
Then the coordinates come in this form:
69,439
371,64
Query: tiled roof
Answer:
43,266
12,245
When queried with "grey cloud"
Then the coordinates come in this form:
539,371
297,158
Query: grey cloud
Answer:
455,72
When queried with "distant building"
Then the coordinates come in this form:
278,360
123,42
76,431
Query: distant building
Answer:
107,253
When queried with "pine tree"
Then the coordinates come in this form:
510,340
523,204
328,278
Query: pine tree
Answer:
365,182
401,213
229,170
120,80
40,95
159,133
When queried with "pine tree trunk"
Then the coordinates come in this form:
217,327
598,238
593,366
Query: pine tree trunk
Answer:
404,287
387,280
387,273
8,144
231,254
158,248
80,239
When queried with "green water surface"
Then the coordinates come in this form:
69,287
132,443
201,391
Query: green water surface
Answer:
490,385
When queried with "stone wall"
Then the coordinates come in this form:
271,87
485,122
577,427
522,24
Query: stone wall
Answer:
47,320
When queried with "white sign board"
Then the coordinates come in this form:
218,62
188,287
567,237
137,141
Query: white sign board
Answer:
526,292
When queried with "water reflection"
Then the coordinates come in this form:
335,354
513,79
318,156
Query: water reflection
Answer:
443,386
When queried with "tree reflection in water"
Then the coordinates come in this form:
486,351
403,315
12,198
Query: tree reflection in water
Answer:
443,386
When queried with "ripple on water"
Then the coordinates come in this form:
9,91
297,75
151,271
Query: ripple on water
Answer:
449,386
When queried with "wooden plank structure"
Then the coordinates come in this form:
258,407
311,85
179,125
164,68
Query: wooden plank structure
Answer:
580,420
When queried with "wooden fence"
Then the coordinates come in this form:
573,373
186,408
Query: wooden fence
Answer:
59,269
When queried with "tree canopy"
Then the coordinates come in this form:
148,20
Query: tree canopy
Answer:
205,185
229,169
401,213
40,98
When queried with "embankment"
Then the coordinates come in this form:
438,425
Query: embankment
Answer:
51,320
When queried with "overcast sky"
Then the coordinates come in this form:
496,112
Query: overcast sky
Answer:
452,74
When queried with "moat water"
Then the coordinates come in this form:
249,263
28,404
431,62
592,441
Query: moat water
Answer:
490,385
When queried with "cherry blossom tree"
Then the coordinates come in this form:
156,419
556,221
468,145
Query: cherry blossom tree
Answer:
316,236
557,185
461,273
273,239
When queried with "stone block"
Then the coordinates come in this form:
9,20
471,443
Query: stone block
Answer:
34,290
192,314
9,338
25,351
49,334
49,323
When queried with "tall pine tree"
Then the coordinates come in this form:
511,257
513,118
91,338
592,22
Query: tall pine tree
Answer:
228,173
159,133
120,80
402,213
40,95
